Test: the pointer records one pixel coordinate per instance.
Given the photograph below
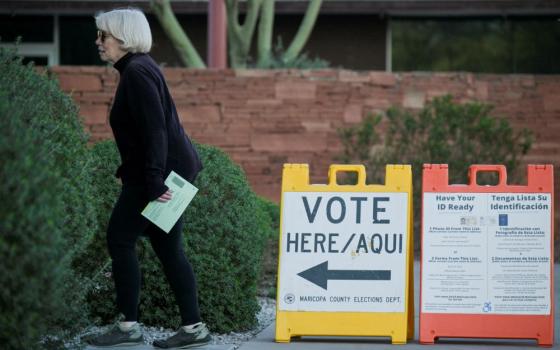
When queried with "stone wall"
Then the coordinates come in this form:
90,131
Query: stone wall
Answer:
264,119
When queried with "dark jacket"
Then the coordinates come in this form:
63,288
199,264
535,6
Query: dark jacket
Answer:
149,136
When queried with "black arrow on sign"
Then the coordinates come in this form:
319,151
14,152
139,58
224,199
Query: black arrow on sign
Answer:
320,275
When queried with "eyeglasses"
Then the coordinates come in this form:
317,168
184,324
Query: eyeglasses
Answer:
101,35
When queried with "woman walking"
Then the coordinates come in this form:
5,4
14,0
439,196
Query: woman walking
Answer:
151,143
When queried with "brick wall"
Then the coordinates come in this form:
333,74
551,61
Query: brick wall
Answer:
266,118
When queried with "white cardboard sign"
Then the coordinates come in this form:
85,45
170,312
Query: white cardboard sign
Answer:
486,253
343,252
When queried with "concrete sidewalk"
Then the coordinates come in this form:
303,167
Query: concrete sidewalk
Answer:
265,340
149,347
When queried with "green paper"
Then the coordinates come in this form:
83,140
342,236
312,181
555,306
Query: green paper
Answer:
165,215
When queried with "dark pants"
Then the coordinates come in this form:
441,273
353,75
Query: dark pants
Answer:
125,227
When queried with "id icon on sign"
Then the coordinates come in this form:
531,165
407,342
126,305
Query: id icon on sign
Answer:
503,219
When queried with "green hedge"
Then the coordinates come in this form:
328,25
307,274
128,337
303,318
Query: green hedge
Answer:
272,211
46,215
100,294
57,197
225,230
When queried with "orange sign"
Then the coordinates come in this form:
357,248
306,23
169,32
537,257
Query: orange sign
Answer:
487,256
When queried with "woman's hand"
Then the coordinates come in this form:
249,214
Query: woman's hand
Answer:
165,197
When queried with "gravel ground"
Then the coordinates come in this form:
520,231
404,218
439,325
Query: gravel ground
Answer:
264,318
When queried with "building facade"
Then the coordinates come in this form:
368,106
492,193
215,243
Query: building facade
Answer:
350,34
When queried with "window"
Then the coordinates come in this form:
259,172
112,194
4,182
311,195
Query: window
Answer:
489,45
77,41
37,34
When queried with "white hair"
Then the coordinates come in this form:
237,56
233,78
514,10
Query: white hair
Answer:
130,26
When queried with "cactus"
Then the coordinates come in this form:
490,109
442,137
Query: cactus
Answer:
240,36
180,40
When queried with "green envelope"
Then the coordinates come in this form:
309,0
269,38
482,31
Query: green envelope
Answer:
165,215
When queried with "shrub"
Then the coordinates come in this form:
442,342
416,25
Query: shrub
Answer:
46,215
442,132
268,277
272,211
100,292
29,237
225,230
225,234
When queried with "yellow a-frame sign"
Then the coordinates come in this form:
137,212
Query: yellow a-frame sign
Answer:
345,261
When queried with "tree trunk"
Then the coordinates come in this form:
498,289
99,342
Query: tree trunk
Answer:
181,42
304,31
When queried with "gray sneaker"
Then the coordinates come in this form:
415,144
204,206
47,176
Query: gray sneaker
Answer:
185,339
117,337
